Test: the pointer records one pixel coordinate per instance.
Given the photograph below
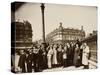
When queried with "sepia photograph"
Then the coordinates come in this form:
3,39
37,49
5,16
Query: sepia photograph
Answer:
47,37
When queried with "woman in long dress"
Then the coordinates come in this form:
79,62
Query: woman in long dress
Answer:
54,56
85,56
64,51
49,57
17,56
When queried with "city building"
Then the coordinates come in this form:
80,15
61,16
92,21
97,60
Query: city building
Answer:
21,35
63,35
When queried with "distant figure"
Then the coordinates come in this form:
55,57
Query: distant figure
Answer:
76,55
85,56
22,61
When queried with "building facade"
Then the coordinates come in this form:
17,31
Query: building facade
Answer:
21,35
63,35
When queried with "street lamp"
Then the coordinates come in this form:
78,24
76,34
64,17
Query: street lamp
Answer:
44,42
43,23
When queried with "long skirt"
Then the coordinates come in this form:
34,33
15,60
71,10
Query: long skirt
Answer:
49,61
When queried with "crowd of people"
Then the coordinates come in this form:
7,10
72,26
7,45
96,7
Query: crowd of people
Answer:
39,57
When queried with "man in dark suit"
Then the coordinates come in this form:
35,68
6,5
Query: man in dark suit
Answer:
72,48
81,51
40,62
36,59
22,61
29,61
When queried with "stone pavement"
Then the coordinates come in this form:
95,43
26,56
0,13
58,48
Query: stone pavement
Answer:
63,69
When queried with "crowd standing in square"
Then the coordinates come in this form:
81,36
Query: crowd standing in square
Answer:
39,58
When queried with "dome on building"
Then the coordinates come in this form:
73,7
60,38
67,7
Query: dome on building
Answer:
60,27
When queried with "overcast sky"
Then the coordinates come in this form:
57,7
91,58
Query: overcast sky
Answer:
71,16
